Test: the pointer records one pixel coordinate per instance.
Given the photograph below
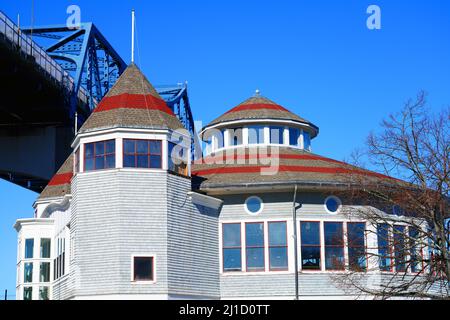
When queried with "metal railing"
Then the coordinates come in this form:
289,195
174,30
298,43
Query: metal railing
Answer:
28,47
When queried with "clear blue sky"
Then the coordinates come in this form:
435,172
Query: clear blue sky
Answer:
317,58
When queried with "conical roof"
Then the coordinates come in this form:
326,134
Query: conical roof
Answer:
132,103
59,185
259,107
294,166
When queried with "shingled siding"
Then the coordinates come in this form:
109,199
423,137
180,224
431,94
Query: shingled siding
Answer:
119,213
278,285
277,205
193,248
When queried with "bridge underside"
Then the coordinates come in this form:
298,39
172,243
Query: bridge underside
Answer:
35,130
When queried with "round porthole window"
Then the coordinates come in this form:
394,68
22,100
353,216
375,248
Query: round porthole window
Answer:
253,205
333,204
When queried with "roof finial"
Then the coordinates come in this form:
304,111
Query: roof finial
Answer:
257,93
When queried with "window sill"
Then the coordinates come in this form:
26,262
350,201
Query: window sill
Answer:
142,282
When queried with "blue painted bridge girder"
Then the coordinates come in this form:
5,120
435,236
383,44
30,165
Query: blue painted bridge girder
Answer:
87,56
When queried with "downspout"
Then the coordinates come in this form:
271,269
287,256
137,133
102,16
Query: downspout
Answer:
294,218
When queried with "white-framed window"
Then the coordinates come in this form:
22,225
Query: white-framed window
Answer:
333,204
254,205
246,244
143,268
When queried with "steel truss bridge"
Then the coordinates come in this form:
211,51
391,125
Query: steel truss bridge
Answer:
49,77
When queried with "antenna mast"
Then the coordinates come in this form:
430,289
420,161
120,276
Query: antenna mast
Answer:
132,35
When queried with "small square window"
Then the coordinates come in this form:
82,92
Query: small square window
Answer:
143,269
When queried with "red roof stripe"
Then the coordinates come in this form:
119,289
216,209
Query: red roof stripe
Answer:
60,179
257,106
133,101
284,168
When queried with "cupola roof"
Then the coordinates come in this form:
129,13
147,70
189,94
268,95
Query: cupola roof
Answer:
260,108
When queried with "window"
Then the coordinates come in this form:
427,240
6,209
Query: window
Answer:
254,243
399,248
44,272
29,246
414,249
278,248
384,251
232,247
306,140
294,137
256,135
28,293
276,135
45,248
100,155
178,158
220,139
236,136
143,269
60,261
334,246
28,272
310,245
142,154
43,293
356,246
332,204
77,161
253,205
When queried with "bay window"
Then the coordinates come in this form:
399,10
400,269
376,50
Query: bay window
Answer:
28,272
357,260
384,250
44,272
29,247
399,248
231,233
254,246
100,155
278,247
28,293
142,154
414,249
310,245
45,247
334,246
178,159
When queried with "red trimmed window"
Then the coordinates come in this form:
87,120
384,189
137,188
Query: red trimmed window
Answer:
357,260
77,161
100,155
142,154
231,233
278,246
310,245
334,246
178,159
254,246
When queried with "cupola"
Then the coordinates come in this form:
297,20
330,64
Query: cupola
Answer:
258,121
